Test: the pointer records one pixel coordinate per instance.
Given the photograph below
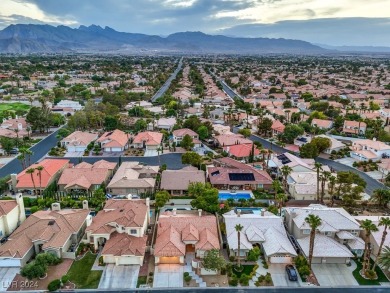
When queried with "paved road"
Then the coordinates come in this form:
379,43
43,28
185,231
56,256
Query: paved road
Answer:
39,150
372,184
173,161
166,85
227,88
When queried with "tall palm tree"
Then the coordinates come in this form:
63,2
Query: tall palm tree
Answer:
381,197
318,167
385,221
314,222
368,226
39,169
324,178
331,186
384,259
286,170
239,228
31,172
280,197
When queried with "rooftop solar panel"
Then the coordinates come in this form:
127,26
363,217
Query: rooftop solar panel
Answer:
241,177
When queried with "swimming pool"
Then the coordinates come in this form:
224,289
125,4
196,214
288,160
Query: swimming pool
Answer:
235,196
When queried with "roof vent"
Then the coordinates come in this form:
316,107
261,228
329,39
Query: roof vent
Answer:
51,223
121,210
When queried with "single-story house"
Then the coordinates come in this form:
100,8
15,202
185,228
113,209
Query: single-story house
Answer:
176,182
148,140
78,141
114,141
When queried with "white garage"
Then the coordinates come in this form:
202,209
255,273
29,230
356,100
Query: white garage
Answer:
122,260
10,262
76,148
114,150
280,259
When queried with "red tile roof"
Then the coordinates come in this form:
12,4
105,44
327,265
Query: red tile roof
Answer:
241,150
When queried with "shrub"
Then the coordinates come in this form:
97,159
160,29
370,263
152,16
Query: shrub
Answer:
101,261
150,280
233,282
151,274
54,285
65,279
268,278
47,259
304,270
371,274
186,274
253,254
244,280
187,279
33,270
232,258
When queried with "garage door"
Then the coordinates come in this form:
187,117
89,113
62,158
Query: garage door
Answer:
170,260
129,260
9,263
280,259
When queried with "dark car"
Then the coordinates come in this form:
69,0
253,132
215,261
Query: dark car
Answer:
14,151
291,273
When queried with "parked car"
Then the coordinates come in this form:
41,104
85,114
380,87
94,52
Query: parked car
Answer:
14,151
291,273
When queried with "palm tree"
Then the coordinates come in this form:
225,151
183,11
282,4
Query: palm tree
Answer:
381,197
238,228
22,160
318,167
368,226
314,222
324,178
331,186
384,259
31,172
40,168
286,170
385,221
281,197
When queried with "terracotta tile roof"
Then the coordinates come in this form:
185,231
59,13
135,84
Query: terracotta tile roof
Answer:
219,175
121,244
50,169
6,206
124,212
180,179
83,177
321,123
131,174
231,139
278,126
183,132
173,230
80,138
116,138
52,227
103,164
83,165
241,150
149,137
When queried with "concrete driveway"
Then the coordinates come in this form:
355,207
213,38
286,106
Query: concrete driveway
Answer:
168,276
334,275
119,277
280,278
6,277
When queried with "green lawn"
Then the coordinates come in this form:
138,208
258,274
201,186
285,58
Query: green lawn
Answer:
14,106
80,273
247,270
381,276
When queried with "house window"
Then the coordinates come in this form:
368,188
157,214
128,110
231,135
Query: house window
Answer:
133,231
306,231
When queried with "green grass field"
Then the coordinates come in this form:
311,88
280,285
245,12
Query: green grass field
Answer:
362,281
14,106
80,273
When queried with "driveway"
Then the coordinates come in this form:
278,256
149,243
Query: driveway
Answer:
119,277
150,153
6,277
333,275
280,278
73,154
346,161
168,276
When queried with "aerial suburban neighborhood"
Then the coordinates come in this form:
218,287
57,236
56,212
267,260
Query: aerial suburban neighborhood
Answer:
124,172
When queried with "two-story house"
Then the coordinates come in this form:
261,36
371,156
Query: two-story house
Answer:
55,231
121,229
178,135
336,238
367,149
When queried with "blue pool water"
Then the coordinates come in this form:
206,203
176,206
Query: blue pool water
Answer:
256,211
235,196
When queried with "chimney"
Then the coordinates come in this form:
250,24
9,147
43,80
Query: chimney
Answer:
16,117
374,138
174,211
147,202
20,126
20,202
14,181
200,212
238,213
262,212
55,206
85,205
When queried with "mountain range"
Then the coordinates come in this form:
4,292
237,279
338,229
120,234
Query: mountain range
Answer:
33,38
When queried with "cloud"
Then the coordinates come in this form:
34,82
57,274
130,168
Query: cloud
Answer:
330,31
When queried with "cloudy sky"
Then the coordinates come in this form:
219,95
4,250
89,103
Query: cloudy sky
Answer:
333,22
